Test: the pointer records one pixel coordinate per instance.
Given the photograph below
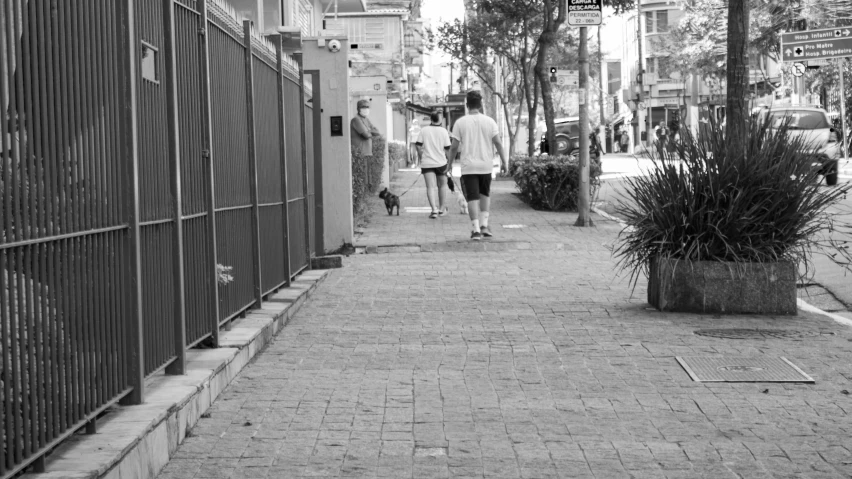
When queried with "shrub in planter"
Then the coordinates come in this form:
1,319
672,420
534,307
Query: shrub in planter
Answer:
752,213
551,183
366,176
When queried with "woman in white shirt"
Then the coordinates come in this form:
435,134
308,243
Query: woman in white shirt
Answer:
432,146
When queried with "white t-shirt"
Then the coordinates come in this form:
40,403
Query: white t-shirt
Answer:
433,139
475,134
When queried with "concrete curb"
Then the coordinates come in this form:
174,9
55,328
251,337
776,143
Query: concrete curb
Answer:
464,247
138,441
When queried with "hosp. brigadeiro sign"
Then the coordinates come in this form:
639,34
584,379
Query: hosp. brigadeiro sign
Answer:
582,13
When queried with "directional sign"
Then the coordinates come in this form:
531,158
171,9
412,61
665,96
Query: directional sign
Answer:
582,13
799,69
569,78
816,44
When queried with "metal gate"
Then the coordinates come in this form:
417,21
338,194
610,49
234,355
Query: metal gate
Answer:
139,149
65,295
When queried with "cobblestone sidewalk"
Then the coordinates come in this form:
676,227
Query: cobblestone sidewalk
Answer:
532,364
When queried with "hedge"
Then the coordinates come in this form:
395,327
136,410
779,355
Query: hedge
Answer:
552,183
366,176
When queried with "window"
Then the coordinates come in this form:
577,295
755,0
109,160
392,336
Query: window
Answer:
149,63
657,21
650,65
799,120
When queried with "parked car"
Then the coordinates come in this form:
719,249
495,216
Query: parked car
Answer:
812,125
567,137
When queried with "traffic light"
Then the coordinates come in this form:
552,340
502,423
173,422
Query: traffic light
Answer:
552,74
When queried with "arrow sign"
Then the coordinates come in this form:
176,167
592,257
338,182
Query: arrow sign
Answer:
816,44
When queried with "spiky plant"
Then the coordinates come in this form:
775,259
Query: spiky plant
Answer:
700,204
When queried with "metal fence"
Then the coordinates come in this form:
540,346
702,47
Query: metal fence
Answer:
143,143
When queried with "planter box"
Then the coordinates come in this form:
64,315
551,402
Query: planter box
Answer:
719,287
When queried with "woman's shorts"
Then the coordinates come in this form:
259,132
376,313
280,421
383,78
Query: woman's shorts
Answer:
439,171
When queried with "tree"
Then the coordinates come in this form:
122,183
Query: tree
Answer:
499,28
554,15
736,108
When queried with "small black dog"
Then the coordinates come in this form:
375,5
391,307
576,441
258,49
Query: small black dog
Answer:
391,200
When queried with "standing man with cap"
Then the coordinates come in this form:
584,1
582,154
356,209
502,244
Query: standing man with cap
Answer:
362,130
476,136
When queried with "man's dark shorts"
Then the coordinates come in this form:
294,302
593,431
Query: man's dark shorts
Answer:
475,186
439,171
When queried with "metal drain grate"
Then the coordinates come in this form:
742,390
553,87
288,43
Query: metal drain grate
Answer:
743,370
744,333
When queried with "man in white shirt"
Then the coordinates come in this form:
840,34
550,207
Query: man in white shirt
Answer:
432,145
476,136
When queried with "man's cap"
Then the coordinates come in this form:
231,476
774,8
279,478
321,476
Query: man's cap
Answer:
363,104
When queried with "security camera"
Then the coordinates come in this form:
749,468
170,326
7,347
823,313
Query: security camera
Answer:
334,46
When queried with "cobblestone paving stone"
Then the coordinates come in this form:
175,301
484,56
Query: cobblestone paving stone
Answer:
518,364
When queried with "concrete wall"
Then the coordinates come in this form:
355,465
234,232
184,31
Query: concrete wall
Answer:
336,206
374,89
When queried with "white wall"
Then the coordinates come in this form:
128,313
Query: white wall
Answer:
336,150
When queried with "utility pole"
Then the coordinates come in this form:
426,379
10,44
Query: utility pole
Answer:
840,64
584,201
640,77
604,123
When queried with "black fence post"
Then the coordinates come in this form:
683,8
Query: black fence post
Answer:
133,269
178,366
316,113
207,131
252,156
282,145
303,132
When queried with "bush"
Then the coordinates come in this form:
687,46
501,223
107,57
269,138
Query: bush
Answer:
397,153
551,183
366,176
699,204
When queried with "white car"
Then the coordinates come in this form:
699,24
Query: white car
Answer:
812,125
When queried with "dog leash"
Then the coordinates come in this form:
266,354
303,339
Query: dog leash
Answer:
412,185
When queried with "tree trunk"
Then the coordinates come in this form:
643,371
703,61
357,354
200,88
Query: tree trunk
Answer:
532,109
736,105
545,42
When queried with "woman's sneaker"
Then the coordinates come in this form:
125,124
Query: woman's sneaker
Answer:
476,236
485,231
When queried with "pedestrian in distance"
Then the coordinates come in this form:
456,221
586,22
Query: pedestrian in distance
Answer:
625,141
476,136
433,143
362,130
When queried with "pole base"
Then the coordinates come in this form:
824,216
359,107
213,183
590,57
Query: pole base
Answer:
584,222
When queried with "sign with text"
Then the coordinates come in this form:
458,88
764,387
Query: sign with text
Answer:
816,44
582,13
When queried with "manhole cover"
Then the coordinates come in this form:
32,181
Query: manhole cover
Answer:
743,370
744,333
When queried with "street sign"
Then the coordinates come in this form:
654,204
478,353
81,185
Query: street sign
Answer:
799,69
582,13
641,105
816,44
569,78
